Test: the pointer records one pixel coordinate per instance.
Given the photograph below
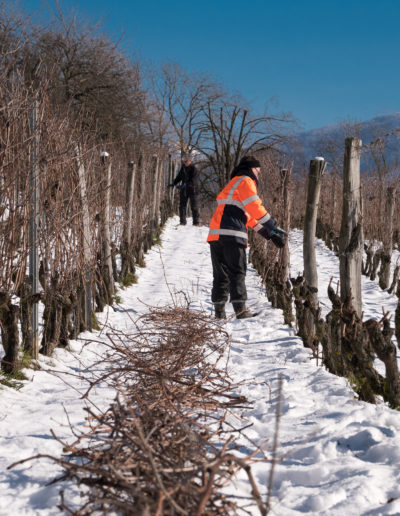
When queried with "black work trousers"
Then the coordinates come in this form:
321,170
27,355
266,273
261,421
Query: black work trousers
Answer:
229,265
188,194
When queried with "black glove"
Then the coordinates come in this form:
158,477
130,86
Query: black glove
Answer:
268,228
171,185
278,237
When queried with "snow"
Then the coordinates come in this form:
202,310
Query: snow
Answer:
339,456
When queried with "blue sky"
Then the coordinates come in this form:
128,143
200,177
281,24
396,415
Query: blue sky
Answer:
323,61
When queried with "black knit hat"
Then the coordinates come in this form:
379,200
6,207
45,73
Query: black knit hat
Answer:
249,162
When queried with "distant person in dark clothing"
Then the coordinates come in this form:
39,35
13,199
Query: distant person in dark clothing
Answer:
187,176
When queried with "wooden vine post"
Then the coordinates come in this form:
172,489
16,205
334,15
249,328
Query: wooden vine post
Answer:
317,169
160,189
155,197
175,198
86,241
171,177
386,256
126,251
284,294
306,289
284,254
33,228
107,267
351,239
143,200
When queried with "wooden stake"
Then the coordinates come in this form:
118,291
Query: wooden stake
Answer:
351,240
317,169
34,224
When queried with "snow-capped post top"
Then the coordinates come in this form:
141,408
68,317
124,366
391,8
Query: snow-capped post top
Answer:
103,156
319,158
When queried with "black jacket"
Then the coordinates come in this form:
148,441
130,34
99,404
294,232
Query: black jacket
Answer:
188,176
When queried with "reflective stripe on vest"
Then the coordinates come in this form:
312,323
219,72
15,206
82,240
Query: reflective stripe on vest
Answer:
231,202
250,199
264,219
239,204
234,186
228,232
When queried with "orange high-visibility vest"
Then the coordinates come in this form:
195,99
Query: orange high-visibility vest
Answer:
238,207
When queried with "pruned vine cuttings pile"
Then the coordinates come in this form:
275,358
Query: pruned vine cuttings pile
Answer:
169,442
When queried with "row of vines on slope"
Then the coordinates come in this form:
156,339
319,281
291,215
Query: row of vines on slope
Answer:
347,345
97,174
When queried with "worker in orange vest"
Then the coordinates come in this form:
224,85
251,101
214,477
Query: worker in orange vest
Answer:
239,207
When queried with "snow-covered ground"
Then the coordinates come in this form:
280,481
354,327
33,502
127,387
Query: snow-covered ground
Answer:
339,456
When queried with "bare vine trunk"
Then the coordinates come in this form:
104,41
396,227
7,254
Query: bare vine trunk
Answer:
381,340
27,299
9,333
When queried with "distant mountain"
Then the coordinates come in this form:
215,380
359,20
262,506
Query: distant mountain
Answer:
328,141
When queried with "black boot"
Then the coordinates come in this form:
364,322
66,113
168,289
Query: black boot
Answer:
220,310
241,311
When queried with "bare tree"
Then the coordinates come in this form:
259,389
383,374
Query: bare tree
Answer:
230,131
88,73
181,98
